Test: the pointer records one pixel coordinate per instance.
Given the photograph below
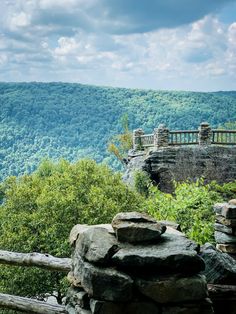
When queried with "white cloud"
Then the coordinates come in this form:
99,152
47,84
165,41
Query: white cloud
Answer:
19,20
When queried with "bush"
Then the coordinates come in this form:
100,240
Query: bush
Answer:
190,206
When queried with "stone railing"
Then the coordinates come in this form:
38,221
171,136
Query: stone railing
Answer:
163,137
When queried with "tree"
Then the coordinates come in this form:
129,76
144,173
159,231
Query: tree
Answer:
39,210
121,143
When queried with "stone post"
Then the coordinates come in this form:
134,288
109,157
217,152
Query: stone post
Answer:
161,136
205,134
137,143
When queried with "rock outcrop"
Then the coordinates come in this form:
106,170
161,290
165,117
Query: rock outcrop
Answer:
180,163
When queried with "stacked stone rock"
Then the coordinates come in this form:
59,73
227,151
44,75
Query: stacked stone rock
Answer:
225,227
135,266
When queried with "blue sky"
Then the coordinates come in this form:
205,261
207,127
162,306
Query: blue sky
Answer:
156,44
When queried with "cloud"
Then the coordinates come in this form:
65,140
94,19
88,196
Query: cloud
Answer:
116,42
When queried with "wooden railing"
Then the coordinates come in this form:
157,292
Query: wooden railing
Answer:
224,137
183,137
28,305
163,137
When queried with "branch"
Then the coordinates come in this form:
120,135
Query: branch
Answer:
36,259
29,305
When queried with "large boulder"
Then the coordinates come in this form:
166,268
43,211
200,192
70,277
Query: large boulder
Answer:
106,284
96,245
168,289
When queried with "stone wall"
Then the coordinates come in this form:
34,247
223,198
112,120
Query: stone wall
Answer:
135,266
184,162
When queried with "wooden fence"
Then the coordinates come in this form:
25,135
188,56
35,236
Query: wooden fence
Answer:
29,305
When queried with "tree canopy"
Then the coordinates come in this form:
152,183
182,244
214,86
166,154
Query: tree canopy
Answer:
39,210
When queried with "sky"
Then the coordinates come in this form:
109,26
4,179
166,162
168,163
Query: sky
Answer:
150,44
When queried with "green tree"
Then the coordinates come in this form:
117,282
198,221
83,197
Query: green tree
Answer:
39,210
121,143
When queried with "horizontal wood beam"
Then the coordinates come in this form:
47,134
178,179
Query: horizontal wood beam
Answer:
35,259
28,305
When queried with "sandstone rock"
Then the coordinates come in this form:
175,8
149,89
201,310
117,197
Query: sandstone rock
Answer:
224,221
172,254
223,238
226,248
78,229
220,267
139,232
132,217
134,227
225,229
103,283
229,211
232,202
101,307
96,245
168,289
217,208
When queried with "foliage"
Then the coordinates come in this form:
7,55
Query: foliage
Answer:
121,143
39,210
74,121
142,182
190,206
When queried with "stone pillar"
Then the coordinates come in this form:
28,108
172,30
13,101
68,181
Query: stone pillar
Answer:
161,136
137,143
205,134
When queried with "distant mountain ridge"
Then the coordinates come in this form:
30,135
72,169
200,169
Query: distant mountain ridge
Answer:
41,120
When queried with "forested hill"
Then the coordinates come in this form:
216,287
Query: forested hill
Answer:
56,120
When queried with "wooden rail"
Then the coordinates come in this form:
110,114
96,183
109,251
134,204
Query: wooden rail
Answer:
30,306
224,137
46,261
186,137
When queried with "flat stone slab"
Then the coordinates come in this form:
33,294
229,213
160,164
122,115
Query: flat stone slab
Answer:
139,307
103,283
224,238
175,289
224,221
226,248
225,229
229,211
132,217
78,229
172,254
134,227
96,245
220,267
